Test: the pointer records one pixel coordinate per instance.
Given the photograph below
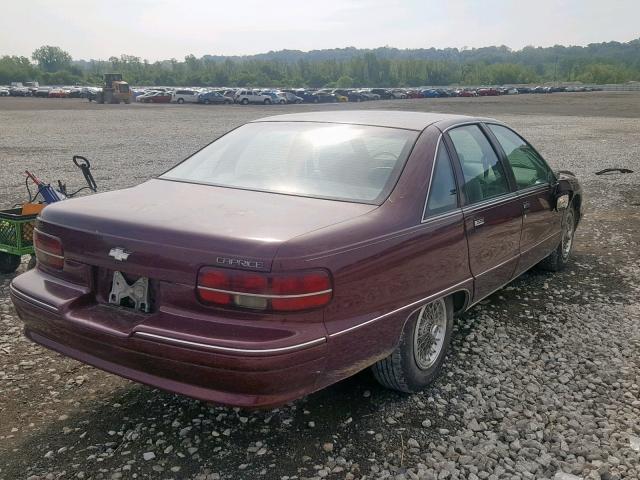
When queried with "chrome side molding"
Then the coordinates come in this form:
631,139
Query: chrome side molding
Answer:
219,348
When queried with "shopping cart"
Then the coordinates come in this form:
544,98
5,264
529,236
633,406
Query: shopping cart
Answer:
17,224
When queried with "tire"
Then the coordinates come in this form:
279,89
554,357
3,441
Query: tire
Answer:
559,258
9,263
267,101
207,102
245,101
180,101
405,369
315,100
228,102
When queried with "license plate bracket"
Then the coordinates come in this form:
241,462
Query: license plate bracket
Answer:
134,296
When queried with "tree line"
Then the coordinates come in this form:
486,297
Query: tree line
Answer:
610,62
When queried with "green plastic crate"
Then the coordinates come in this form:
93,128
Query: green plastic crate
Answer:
16,232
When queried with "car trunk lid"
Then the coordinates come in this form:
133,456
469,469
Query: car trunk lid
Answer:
167,230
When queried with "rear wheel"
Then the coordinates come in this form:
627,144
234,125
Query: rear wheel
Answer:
244,101
417,359
267,101
558,259
207,101
9,263
181,101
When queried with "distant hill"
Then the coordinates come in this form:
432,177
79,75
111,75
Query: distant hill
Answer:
627,51
597,63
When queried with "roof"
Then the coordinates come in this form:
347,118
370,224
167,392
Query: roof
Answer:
379,118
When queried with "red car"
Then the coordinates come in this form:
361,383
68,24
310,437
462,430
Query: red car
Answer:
467,93
414,94
155,97
487,92
296,250
58,93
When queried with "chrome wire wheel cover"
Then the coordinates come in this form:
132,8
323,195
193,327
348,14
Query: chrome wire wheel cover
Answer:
430,331
567,235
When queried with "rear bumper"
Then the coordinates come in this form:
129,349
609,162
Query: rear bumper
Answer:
59,316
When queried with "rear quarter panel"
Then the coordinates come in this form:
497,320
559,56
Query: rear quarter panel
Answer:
380,262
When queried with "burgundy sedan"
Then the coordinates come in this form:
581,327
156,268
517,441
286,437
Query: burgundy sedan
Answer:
295,251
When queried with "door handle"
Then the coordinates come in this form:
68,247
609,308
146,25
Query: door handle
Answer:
478,222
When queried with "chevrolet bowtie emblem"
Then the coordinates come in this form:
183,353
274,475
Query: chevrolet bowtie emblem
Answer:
119,254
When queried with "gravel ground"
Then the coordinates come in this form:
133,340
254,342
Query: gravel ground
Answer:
542,379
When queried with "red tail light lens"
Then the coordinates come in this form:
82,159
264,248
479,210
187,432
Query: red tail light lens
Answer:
301,292
283,292
48,250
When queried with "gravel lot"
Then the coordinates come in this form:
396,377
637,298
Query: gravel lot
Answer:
542,380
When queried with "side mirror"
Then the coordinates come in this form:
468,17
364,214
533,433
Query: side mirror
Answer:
562,194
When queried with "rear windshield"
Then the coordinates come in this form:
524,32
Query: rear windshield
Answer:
323,160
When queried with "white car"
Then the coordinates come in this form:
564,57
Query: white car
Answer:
252,96
4,92
398,93
185,96
290,97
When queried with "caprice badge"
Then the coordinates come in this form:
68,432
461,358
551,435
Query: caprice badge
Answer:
119,254
239,262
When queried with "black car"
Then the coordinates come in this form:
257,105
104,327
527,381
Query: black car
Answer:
42,92
541,90
316,97
384,93
76,93
213,97
352,95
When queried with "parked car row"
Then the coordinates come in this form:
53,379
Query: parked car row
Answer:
47,92
245,96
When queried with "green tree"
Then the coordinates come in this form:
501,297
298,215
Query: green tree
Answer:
51,59
17,69
345,81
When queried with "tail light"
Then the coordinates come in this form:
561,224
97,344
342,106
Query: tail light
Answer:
276,292
48,250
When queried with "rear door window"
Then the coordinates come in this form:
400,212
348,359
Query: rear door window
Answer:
484,175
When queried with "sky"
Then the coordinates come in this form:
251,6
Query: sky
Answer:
163,29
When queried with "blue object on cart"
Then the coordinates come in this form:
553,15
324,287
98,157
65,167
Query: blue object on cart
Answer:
49,194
